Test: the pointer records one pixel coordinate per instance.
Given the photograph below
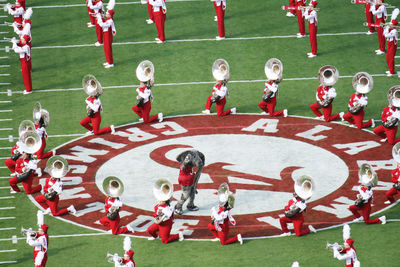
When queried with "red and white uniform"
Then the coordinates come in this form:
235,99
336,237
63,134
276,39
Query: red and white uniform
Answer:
292,4
220,6
144,110
17,12
56,185
163,228
160,14
25,30
221,90
348,255
149,9
324,92
11,163
20,166
113,224
108,32
40,249
380,12
393,191
125,263
98,8
269,105
41,131
389,133
220,227
367,196
311,16
24,52
90,12
297,219
95,104
357,119
370,16
391,37
300,18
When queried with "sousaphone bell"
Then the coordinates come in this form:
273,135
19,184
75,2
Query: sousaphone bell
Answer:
30,142
363,82
225,196
163,190
57,166
113,186
367,175
396,152
220,70
145,71
91,85
40,114
304,187
26,126
328,75
393,96
274,70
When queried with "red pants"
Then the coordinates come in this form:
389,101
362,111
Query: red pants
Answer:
26,74
357,119
52,204
114,225
159,19
144,112
27,184
99,32
43,261
300,20
223,234
269,107
389,133
366,211
39,154
164,230
150,11
370,17
327,112
381,38
297,221
390,54
220,106
313,37
10,164
92,19
95,121
292,3
108,39
390,194
220,17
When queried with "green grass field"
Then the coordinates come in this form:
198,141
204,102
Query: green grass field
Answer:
184,62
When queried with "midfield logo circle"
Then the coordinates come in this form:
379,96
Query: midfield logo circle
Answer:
258,156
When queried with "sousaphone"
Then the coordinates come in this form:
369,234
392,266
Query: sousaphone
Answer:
26,126
393,96
396,152
145,71
274,70
40,113
113,186
304,187
363,82
225,196
91,85
57,166
163,190
328,75
30,142
367,175
220,70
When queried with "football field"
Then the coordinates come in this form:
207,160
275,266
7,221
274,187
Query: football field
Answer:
63,52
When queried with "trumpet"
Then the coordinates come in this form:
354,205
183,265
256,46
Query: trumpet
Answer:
12,40
387,5
26,232
110,258
11,24
308,7
334,246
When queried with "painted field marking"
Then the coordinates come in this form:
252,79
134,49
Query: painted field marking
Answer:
4,157
8,250
5,119
4,74
7,197
5,110
3,57
4,66
9,228
5,177
5,147
6,101
4,187
3,167
7,218
6,129
7,208
6,262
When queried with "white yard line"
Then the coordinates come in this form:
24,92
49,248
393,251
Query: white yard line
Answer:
8,250
7,218
4,66
6,119
7,208
6,101
6,147
202,40
9,228
6,129
4,74
7,197
5,110
3,57
7,262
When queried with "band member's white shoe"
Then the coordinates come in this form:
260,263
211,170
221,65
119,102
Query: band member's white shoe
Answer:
383,219
373,123
206,111
157,39
240,239
141,119
300,36
89,133
13,192
54,152
181,238
380,52
390,74
109,66
219,38
289,14
215,239
150,238
341,114
312,229
27,93
285,113
359,219
377,50
160,42
39,172
160,117
312,55
149,21
285,234
90,25
387,72
105,64
264,113
112,129
72,209
12,174
233,110
309,53
215,18
97,44
130,229
387,202
368,33
320,117
47,211
383,140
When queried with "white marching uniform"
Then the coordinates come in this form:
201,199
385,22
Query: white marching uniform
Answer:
40,246
272,87
95,106
146,94
350,257
222,91
25,31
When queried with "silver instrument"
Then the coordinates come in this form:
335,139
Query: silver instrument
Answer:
334,246
91,85
30,142
274,70
393,96
57,166
163,190
304,187
145,71
396,152
367,175
26,126
363,82
113,186
40,114
328,75
220,70
28,232
110,258
225,196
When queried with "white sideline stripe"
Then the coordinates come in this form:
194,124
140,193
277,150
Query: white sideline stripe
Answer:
4,187
7,218
9,228
3,167
123,3
201,40
7,197
3,32
7,208
183,83
4,157
5,83
4,262
8,250
5,177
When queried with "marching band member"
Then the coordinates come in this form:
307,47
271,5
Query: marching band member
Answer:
97,7
390,33
396,185
57,167
390,117
42,120
160,14
93,106
347,254
294,210
379,10
112,205
163,213
17,11
218,97
221,217
40,245
370,17
150,20
26,26
368,180
220,6
291,12
188,178
311,15
127,260
25,169
12,161
108,32
92,22
300,19
24,51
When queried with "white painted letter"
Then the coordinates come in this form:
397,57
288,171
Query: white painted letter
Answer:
101,141
268,125
309,134
134,134
176,128
355,148
83,154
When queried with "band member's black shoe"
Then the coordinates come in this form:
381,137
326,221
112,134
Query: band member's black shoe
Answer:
193,208
179,211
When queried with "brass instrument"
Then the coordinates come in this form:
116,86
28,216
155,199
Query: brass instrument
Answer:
110,258
367,175
274,70
396,152
145,72
40,115
28,232
393,97
91,85
363,84
30,142
387,5
334,246
225,196
220,70
57,166
26,126
163,190
328,76
304,187
113,187
308,7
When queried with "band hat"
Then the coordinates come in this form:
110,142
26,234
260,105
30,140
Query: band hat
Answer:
111,12
394,22
349,242
314,3
27,38
129,253
44,227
